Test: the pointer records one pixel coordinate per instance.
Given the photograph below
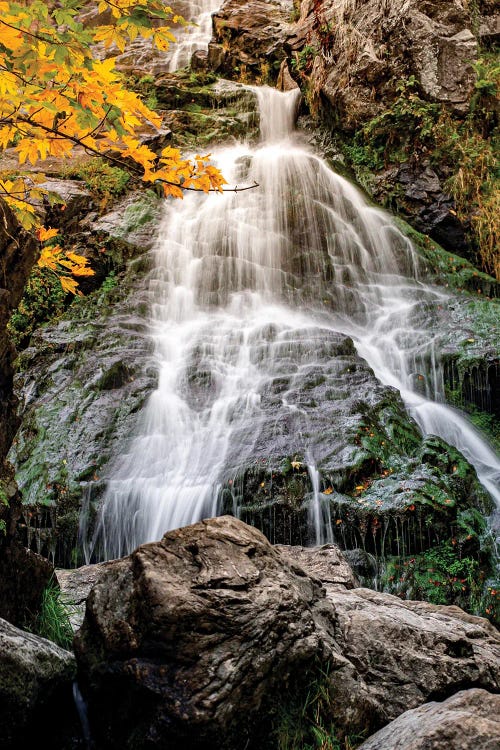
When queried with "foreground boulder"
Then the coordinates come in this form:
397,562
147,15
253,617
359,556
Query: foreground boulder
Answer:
467,721
186,638
35,688
405,654
198,639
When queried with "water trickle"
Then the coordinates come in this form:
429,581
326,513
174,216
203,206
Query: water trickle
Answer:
246,289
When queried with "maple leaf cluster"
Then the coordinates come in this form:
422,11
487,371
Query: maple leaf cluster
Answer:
56,94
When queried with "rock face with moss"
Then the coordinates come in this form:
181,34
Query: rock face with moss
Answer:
83,379
23,576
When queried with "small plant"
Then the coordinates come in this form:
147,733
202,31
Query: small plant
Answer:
109,283
306,721
53,620
44,299
101,178
303,60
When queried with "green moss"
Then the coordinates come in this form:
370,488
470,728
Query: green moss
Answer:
101,178
448,269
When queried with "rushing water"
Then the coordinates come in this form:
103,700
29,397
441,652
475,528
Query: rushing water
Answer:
238,278
195,36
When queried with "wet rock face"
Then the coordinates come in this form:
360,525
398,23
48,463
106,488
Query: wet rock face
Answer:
196,639
466,721
378,481
82,380
35,689
185,640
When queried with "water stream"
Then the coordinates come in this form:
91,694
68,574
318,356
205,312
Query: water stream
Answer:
196,35
243,285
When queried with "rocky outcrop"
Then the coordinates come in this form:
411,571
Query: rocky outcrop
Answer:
35,689
186,640
405,654
76,585
359,46
467,721
249,39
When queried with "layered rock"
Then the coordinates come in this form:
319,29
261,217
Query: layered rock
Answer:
249,39
405,654
466,721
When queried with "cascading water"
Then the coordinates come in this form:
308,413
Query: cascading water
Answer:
246,288
195,36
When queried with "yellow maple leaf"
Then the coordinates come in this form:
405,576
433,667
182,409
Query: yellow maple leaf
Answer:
44,234
68,285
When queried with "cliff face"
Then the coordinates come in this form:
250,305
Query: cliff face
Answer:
23,575
408,90
18,251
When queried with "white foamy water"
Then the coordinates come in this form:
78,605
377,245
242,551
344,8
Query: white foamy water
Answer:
194,36
240,277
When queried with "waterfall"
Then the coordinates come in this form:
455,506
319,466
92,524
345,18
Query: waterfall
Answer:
246,288
196,35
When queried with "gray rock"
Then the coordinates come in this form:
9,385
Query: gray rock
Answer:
186,639
75,202
35,678
362,563
76,586
468,720
194,640
405,654
327,563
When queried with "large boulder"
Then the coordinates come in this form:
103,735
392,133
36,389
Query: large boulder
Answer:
196,640
36,679
406,653
467,721
186,639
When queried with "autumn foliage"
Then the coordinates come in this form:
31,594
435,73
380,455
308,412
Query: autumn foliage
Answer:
59,90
